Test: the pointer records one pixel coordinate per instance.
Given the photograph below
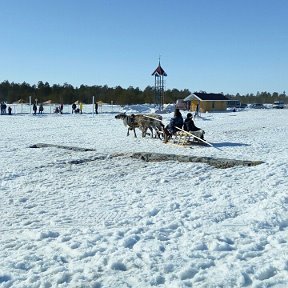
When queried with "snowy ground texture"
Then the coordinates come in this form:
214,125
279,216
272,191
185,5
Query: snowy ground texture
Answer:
84,219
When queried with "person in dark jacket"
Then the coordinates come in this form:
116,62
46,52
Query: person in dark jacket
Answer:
189,126
34,109
41,108
3,108
176,121
73,108
189,123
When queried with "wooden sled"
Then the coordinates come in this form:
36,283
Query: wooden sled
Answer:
182,137
187,138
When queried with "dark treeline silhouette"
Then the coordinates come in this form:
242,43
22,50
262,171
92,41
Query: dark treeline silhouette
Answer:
260,97
67,94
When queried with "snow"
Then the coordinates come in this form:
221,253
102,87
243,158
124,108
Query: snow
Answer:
94,219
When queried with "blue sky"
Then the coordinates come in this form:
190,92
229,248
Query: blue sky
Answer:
229,46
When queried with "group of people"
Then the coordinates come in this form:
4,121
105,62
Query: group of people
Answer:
4,107
80,108
59,109
41,109
177,123
76,110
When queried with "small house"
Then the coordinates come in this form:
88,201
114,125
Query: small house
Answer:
207,102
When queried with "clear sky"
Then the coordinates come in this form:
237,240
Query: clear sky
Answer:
229,46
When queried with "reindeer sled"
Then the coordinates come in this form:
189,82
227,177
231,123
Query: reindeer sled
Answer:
153,123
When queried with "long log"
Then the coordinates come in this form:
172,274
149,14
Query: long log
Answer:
73,148
215,162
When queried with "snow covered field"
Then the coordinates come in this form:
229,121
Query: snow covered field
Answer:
84,219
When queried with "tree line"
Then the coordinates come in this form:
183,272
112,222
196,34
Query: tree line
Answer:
260,97
11,92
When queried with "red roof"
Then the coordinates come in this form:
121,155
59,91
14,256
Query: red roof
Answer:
159,71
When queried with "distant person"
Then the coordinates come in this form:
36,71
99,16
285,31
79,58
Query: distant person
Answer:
34,109
189,126
41,108
81,107
3,108
73,108
96,108
196,111
9,110
61,108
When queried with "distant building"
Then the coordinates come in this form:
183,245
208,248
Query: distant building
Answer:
207,102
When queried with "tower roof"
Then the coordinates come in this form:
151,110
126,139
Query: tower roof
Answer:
159,71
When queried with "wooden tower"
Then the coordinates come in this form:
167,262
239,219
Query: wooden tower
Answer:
159,75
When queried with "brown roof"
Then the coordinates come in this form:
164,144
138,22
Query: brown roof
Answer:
159,71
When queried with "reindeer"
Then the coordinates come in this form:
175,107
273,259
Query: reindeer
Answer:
140,121
129,120
153,121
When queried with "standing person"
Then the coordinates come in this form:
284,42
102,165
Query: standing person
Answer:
197,110
61,108
96,108
34,108
41,108
81,107
73,108
3,108
9,110
176,121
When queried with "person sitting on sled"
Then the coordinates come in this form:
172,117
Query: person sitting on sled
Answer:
189,126
176,121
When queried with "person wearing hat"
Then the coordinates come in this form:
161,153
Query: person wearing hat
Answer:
190,126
